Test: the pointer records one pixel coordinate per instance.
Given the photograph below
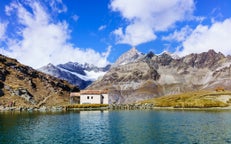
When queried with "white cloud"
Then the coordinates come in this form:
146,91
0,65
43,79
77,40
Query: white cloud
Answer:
102,27
42,41
75,18
10,8
203,38
57,6
179,35
146,17
3,27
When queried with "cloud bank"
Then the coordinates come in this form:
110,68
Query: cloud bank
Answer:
41,40
3,27
146,17
180,35
204,37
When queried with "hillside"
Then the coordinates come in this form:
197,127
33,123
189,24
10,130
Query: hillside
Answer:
21,85
145,76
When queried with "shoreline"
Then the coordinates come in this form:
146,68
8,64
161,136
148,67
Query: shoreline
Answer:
191,109
110,108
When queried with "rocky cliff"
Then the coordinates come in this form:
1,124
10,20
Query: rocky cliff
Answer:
21,85
150,75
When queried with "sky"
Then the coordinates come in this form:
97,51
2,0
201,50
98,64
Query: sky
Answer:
38,32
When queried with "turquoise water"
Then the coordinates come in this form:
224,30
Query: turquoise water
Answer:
116,127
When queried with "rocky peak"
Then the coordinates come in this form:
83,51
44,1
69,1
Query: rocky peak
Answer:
150,55
172,55
91,67
129,56
50,65
208,59
163,59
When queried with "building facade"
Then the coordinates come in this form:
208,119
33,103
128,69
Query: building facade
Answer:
89,97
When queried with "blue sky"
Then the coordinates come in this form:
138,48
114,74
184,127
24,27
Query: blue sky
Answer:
39,32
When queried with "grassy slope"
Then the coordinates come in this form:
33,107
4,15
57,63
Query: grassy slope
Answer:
198,99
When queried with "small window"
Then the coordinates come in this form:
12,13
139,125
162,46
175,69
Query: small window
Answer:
87,97
91,97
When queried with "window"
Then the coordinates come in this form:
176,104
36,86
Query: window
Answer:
102,97
87,97
91,97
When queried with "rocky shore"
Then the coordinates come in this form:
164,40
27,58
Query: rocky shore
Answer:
64,108
145,106
42,109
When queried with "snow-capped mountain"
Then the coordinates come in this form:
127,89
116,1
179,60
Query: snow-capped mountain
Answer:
75,73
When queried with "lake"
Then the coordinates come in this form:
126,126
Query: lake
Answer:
116,127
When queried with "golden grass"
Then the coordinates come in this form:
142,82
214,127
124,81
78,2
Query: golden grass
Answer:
198,99
229,101
87,105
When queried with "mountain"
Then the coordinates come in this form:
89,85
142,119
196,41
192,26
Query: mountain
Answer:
24,86
151,75
81,75
130,56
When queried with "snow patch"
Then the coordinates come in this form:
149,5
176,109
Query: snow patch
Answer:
92,75
83,77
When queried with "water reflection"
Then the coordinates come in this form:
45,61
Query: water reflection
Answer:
93,127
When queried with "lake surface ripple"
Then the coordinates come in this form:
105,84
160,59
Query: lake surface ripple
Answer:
116,127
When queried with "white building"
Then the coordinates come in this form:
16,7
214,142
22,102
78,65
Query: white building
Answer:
90,97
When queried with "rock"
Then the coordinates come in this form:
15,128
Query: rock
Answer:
3,73
1,85
1,93
24,94
30,109
43,109
32,84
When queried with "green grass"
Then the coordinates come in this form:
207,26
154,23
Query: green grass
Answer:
198,99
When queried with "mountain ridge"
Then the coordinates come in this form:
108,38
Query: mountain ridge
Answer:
157,75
